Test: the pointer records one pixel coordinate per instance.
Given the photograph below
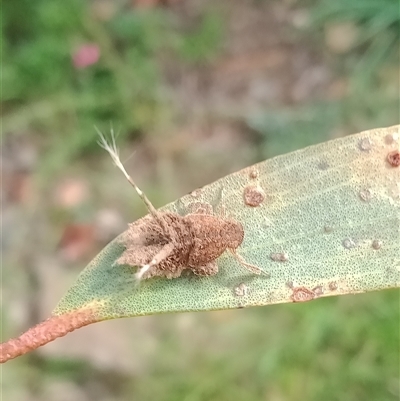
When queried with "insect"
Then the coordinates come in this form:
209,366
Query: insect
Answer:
164,244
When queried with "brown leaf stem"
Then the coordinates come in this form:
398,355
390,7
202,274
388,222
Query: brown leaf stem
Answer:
45,332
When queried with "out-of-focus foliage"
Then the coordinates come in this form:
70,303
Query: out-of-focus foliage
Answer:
44,89
377,42
369,66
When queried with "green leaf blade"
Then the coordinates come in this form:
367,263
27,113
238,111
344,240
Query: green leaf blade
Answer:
332,209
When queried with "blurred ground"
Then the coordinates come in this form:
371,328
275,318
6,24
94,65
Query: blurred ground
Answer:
196,89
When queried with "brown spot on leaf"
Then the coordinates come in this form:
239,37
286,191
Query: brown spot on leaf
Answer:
302,294
333,286
394,158
196,193
391,138
253,174
253,196
376,244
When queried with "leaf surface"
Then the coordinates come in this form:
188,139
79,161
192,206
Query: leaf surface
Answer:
328,224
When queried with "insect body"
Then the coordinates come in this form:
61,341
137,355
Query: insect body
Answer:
165,244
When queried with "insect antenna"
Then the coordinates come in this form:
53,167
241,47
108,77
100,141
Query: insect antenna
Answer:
112,149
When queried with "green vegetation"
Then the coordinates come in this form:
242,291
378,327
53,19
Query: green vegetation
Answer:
334,349
368,67
44,92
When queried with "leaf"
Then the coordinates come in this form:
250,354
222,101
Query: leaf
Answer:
333,210
328,224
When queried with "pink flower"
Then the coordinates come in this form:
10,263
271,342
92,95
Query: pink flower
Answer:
86,55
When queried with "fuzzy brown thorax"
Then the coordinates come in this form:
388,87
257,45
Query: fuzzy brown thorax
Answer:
211,237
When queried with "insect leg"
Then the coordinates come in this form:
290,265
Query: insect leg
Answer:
210,269
248,266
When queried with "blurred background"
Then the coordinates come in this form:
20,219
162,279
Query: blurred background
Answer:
195,90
